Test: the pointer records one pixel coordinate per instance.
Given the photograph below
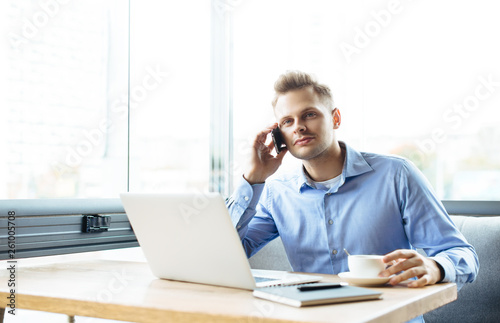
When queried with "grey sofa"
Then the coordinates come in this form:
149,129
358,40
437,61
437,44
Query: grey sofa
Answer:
477,302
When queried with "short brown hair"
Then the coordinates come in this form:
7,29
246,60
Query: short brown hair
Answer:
296,80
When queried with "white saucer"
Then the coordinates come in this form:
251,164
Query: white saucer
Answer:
364,281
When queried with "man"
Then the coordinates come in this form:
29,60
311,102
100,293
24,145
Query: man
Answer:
341,198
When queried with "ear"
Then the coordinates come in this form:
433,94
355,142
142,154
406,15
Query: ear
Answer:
336,118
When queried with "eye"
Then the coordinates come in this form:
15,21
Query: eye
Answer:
310,114
286,122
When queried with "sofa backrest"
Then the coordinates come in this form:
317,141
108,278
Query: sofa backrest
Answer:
477,302
271,256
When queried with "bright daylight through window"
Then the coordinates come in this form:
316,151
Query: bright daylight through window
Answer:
65,77
420,79
64,129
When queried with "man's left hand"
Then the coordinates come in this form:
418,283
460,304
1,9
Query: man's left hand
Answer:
409,263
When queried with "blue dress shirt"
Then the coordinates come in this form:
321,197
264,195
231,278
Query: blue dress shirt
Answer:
381,203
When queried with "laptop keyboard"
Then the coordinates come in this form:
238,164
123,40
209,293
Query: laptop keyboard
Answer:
260,279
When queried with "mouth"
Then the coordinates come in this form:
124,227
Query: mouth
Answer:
303,141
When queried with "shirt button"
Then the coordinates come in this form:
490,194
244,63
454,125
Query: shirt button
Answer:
334,251
328,194
330,222
246,198
238,227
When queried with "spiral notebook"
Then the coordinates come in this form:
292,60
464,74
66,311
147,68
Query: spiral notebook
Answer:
294,296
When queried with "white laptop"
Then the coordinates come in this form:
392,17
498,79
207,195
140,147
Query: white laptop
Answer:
190,237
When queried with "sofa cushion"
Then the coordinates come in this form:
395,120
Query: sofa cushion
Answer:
478,301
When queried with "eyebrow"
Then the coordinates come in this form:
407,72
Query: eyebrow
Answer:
301,112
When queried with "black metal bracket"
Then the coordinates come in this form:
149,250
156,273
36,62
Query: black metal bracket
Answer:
95,223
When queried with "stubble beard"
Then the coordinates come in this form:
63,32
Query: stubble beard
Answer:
311,153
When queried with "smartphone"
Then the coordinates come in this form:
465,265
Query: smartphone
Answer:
279,143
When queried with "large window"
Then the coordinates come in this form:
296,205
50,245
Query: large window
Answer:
65,72
82,117
85,115
419,79
169,95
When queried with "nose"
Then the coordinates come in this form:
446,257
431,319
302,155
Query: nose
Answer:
299,127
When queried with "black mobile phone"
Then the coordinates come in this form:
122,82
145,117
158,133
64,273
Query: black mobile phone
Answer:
279,143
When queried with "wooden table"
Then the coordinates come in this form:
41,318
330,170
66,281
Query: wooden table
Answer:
127,291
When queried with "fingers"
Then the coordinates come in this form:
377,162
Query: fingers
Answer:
400,260
399,254
261,137
262,163
268,129
423,281
279,156
271,145
282,154
408,264
418,272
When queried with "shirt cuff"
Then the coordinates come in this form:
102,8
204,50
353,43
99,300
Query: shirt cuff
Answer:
247,196
448,267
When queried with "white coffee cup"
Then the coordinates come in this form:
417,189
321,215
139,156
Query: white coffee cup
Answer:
365,265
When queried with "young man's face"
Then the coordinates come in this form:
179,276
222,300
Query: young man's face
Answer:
306,123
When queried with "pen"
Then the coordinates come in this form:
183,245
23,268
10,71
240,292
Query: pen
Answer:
305,288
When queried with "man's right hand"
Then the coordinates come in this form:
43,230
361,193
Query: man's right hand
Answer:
262,163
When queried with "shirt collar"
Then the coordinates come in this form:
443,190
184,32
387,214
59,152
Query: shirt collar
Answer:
354,164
